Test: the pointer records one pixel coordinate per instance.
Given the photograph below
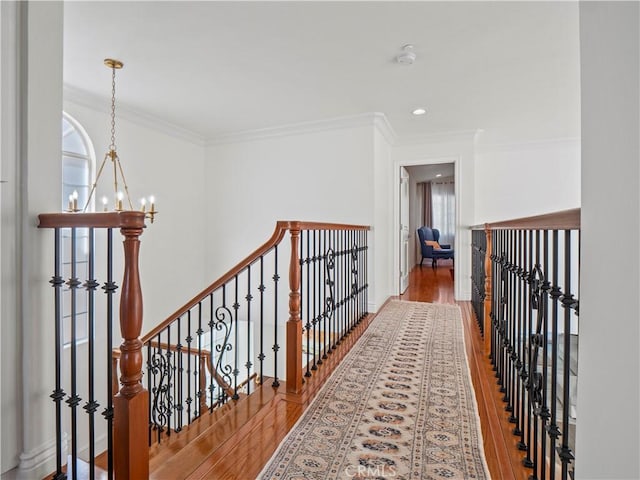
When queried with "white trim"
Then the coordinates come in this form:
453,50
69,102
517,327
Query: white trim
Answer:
377,120
381,122
40,461
101,104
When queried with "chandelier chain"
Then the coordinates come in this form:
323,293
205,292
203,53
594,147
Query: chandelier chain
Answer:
113,109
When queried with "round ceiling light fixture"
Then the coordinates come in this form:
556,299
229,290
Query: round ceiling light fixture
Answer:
419,111
407,57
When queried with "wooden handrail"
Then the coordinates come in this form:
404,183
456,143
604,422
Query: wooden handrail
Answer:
278,234
562,220
92,220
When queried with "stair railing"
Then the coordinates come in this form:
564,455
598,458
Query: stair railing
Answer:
253,331
525,298
77,307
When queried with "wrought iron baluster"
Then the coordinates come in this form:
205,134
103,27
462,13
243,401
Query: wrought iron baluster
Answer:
187,377
276,347
224,324
198,373
513,374
150,389
58,393
519,429
74,400
261,289
533,383
553,430
331,299
505,324
249,298
92,405
236,307
325,315
314,291
178,394
568,303
545,414
526,412
211,349
306,299
171,365
109,288
503,320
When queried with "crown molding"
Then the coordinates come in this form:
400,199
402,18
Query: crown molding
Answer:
100,103
377,120
381,122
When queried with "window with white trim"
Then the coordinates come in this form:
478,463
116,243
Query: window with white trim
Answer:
77,163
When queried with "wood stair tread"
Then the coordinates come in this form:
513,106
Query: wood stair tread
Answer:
184,452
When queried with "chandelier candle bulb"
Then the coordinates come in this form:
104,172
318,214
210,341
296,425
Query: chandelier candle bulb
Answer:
70,206
120,196
104,203
152,200
74,197
143,204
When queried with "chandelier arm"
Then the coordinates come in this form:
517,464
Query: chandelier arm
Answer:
114,157
126,188
95,183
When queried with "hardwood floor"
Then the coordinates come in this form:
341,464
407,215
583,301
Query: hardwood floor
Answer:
432,285
244,439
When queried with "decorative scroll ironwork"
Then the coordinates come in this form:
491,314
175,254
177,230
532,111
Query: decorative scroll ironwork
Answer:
223,323
161,368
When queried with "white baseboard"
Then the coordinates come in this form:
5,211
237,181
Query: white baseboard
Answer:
40,461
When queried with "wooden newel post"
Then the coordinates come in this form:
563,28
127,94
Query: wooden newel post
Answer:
294,325
131,414
488,294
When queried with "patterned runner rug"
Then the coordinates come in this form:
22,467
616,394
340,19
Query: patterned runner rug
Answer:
400,405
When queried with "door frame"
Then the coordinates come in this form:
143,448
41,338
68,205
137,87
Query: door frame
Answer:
396,213
401,230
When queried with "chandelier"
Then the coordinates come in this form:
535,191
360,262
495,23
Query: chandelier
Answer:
118,172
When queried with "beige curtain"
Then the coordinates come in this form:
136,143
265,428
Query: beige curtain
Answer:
427,208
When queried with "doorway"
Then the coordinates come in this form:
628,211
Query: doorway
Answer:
426,197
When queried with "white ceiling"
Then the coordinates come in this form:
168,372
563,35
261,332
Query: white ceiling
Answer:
426,173
509,68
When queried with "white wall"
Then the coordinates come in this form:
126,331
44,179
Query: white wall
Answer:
521,180
458,149
170,168
10,406
327,175
43,143
384,254
608,425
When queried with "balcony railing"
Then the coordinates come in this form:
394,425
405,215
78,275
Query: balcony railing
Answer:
525,277
242,331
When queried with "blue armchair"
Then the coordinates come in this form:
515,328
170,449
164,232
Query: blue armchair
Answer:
433,234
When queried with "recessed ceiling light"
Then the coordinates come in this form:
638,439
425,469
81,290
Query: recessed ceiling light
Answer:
439,175
419,111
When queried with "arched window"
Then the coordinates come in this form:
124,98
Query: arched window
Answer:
78,160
